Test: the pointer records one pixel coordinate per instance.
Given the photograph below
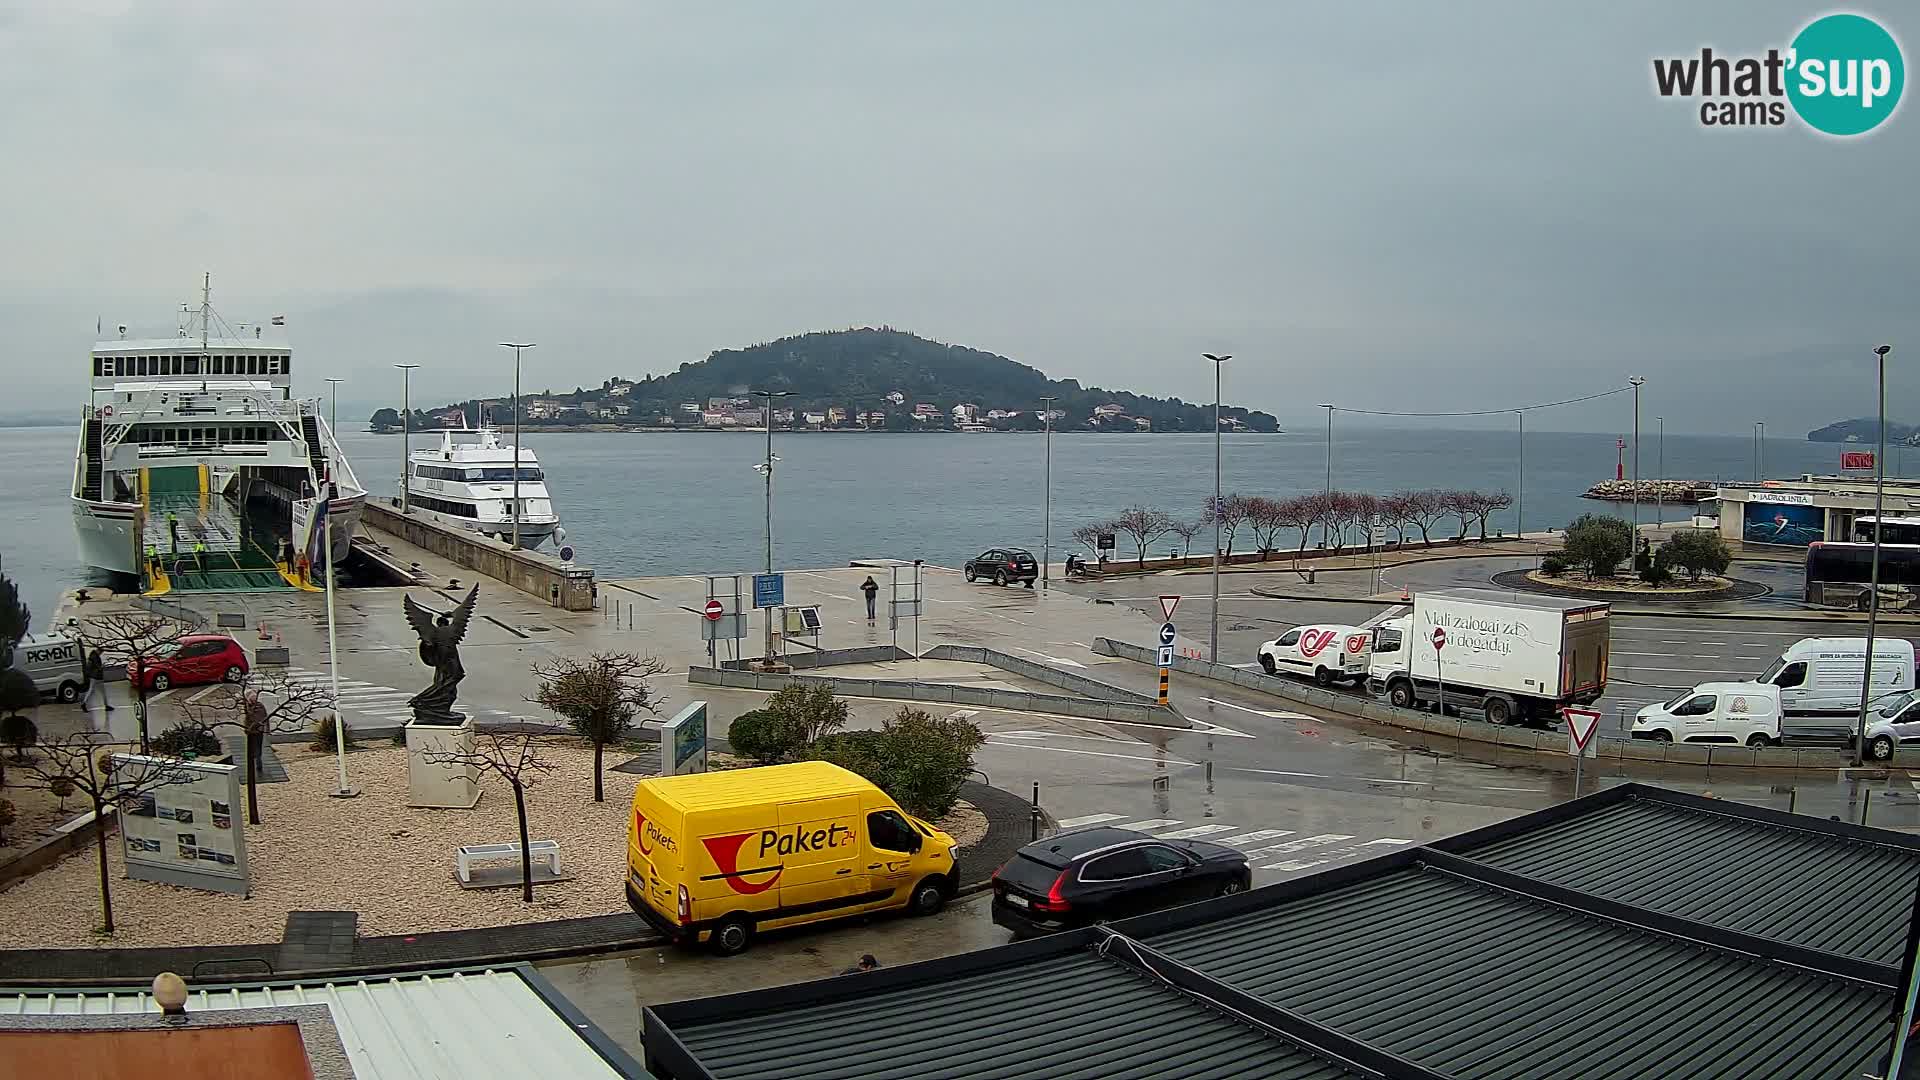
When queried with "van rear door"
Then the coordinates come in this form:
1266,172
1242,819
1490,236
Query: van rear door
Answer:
655,852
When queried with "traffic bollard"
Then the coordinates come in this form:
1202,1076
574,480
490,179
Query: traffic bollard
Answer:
1033,816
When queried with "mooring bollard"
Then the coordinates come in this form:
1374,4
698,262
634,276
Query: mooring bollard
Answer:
1792,794
1033,816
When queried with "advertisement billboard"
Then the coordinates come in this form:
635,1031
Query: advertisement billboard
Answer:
191,833
683,742
1782,523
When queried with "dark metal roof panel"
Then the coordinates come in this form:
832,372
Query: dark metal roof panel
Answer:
1485,984
1834,893
1069,1016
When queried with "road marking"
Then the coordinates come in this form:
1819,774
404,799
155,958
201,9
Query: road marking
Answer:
1379,780
1197,831
1281,772
962,714
1387,841
1259,712
1087,819
1096,753
1256,836
1204,727
1061,660
1301,844
1150,824
1297,865
203,693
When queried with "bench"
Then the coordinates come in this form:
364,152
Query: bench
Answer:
547,851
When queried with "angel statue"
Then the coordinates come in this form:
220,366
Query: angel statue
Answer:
439,649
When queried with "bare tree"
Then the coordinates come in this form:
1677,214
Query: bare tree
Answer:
1232,513
1488,503
1091,533
1186,531
136,639
1303,512
1461,505
1424,509
513,756
1365,511
599,695
1394,511
1265,517
1338,511
76,763
266,702
1144,525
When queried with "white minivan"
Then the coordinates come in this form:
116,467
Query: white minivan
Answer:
54,663
1326,654
1737,713
1821,676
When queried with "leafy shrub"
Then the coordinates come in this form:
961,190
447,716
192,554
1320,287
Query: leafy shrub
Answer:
185,740
1553,566
1657,570
1599,542
763,737
323,734
809,710
1697,551
17,691
917,759
61,788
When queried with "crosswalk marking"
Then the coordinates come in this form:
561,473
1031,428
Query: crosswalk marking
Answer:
1298,864
1388,841
1301,844
1088,819
1255,837
1150,824
1197,831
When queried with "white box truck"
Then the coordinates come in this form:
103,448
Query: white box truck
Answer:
1516,657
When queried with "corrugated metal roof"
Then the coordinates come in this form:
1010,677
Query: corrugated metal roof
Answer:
462,1026
1074,1016
1835,893
1479,983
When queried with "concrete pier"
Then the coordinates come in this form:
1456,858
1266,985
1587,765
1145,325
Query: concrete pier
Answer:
562,585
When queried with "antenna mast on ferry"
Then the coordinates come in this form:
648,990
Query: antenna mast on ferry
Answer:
206,307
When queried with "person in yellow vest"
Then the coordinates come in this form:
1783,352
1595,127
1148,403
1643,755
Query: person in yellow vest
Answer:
200,557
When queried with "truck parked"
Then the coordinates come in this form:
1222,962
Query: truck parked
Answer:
1516,657
1821,677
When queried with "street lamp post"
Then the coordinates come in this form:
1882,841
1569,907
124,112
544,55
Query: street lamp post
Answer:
1213,631
1520,482
767,468
516,347
1328,493
1873,584
1760,450
1636,381
1046,513
1660,495
406,429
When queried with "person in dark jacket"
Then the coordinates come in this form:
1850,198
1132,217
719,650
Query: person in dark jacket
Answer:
872,589
867,962
95,670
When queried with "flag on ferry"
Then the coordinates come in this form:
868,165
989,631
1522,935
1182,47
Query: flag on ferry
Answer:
316,544
279,320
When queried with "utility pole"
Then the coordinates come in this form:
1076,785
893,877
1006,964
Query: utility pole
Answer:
1046,514
1520,484
1760,450
768,396
1659,494
1873,586
325,507
1326,541
516,347
1213,634
406,429
1636,381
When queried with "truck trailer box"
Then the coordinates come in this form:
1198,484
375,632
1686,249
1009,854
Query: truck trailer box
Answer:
1522,654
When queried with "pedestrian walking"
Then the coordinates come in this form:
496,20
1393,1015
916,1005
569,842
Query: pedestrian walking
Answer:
872,589
173,529
95,671
867,962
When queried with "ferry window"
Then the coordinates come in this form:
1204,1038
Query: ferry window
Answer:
286,365
273,365
192,364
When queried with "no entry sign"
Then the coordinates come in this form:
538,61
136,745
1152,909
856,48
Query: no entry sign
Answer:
714,610
1439,638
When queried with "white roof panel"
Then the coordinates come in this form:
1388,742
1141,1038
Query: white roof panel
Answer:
458,1026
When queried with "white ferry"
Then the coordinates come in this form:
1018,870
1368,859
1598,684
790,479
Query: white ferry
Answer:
180,434
466,480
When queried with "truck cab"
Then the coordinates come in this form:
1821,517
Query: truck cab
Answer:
1729,713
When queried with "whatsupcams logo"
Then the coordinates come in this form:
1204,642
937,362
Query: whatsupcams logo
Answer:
1841,75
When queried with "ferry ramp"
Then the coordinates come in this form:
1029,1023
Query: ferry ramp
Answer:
195,540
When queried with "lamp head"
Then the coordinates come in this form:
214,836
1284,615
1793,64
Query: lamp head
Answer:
1882,350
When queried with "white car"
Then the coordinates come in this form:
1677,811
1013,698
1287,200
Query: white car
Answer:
1326,654
1895,722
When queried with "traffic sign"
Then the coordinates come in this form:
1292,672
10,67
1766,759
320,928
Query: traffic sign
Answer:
1167,604
1439,638
1163,656
1167,634
715,609
769,590
1583,725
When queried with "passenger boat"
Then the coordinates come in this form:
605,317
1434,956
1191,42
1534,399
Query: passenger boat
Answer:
465,478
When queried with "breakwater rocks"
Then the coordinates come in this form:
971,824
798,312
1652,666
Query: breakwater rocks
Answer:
1673,491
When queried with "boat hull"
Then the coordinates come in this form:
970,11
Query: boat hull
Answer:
106,534
532,533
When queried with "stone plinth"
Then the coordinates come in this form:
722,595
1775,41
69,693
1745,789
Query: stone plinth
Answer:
449,785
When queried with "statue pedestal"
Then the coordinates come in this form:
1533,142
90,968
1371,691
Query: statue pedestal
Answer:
452,786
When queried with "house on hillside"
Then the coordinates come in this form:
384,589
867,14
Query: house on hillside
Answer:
966,413
783,416
542,409
873,419
1229,423
619,387
1102,412
690,407
450,418
896,398
714,418
814,419
1143,423
754,417
836,415
610,410
926,409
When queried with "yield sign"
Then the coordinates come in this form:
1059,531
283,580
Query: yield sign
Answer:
1167,604
1440,641
1582,726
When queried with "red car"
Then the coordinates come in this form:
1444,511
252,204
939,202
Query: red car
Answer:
196,658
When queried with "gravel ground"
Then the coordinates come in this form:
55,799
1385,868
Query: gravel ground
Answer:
35,812
373,854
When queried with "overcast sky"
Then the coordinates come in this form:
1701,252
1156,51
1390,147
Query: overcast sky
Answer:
1405,205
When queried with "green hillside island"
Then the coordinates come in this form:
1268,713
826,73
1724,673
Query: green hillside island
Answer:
874,379
1864,429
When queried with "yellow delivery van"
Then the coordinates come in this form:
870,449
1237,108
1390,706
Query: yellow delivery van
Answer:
717,856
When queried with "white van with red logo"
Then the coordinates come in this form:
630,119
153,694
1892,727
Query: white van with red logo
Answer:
1327,654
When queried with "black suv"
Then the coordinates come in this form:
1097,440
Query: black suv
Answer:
1004,565
1103,874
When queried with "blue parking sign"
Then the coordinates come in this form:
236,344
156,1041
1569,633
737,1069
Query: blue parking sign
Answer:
769,590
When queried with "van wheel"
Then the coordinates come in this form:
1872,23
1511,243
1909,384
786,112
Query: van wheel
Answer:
731,936
1322,677
1759,741
1661,736
1864,603
1266,663
928,898
1499,711
1880,748
1400,695
68,693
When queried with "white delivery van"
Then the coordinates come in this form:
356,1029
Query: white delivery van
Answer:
1514,656
1736,713
1822,676
1327,654
53,663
